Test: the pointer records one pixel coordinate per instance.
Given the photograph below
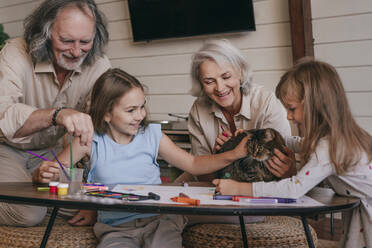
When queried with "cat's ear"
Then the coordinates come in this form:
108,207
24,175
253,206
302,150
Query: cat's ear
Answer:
269,134
276,136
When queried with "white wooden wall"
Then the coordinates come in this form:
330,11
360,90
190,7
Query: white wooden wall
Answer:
341,32
343,37
164,65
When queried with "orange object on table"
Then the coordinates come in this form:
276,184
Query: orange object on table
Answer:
190,201
183,195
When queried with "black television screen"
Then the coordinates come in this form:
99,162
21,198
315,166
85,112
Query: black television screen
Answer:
159,19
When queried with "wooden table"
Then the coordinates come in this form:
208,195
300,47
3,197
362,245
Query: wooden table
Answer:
26,193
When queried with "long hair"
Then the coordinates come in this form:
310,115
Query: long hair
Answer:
107,91
38,27
326,113
221,52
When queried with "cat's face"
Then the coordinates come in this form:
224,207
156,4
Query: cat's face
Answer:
260,146
261,143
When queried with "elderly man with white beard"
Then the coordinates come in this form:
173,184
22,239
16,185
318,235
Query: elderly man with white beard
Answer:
45,81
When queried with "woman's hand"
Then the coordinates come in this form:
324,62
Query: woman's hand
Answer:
238,131
282,165
47,171
232,187
84,218
221,139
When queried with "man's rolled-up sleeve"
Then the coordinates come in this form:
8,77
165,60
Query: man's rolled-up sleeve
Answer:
13,113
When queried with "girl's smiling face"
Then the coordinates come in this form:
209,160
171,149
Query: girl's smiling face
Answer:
295,113
126,116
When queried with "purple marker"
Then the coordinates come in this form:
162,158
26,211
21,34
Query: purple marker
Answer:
222,197
93,184
259,200
41,157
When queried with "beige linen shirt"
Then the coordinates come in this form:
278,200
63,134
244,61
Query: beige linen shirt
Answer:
26,87
260,109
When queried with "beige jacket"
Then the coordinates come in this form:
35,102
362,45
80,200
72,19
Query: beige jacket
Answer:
26,87
260,109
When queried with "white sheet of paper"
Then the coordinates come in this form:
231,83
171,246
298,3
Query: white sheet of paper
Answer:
204,194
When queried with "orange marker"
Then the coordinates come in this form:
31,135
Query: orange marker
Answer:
190,201
183,195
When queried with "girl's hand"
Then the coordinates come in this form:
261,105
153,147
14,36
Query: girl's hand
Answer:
84,218
221,139
232,187
282,165
47,171
241,150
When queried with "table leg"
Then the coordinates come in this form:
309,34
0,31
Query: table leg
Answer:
332,225
242,229
309,238
49,227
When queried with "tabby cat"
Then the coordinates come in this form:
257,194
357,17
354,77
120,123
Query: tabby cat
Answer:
260,147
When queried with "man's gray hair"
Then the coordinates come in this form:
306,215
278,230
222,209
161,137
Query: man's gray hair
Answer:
38,27
222,52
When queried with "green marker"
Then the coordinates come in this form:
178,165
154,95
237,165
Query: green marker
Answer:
42,188
71,162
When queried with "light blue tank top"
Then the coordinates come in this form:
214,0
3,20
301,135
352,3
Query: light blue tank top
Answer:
133,163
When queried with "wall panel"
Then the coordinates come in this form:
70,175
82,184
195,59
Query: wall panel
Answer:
163,65
330,8
344,28
343,38
358,53
262,59
356,79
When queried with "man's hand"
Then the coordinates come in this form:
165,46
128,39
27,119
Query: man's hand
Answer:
77,124
281,165
84,218
47,171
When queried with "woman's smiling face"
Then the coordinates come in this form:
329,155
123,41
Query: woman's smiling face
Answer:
221,84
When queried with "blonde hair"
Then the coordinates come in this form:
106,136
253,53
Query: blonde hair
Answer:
326,113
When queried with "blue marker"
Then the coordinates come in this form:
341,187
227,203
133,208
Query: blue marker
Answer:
222,197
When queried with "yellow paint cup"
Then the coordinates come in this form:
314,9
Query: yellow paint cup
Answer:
62,189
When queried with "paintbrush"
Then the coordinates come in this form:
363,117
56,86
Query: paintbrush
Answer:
63,169
71,162
39,156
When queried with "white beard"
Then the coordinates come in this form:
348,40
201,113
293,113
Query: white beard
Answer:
65,64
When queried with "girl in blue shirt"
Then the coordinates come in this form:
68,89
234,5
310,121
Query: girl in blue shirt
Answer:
124,150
